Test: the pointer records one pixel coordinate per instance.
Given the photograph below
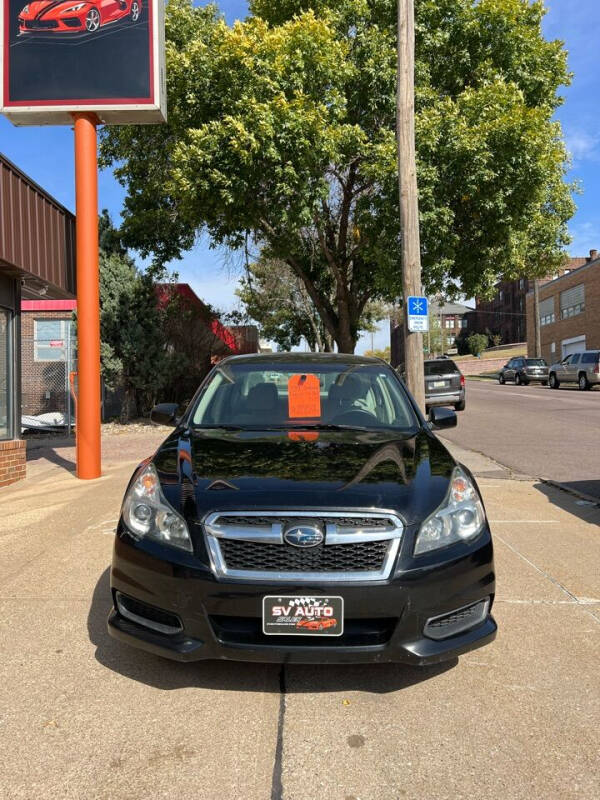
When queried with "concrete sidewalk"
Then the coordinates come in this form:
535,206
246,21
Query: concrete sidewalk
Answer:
82,716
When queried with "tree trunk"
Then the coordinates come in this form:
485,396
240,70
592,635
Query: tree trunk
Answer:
409,203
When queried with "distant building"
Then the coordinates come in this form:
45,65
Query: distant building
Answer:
569,312
505,314
246,338
450,318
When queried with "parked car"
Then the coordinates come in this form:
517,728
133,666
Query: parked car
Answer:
444,384
524,371
324,489
581,368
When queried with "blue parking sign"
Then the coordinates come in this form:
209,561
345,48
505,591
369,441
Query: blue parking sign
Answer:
417,311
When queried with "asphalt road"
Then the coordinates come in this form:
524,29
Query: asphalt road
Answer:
535,431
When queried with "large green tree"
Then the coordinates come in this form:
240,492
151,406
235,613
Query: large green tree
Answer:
132,342
281,130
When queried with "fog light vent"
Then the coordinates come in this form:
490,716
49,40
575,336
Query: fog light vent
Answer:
463,619
146,615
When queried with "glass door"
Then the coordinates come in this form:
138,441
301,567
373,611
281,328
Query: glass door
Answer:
5,374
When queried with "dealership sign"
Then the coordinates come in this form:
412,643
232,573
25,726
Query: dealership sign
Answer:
59,57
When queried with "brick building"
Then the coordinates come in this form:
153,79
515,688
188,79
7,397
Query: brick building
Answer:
569,312
37,257
48,350
505,314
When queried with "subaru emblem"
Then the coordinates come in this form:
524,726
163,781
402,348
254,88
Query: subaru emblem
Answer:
303,536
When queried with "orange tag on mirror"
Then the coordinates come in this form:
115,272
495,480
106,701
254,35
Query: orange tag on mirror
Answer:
304,396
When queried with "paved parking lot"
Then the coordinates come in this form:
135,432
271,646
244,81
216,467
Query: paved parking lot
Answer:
83,716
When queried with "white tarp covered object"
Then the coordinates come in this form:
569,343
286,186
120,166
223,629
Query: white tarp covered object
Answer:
47,421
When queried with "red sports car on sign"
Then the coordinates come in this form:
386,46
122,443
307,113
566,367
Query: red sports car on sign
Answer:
317,624
66,16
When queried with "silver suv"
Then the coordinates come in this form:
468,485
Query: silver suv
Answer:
580,368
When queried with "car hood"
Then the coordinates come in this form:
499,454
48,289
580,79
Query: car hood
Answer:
43,7
209,470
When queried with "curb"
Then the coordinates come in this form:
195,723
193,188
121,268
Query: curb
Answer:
569,490
514,475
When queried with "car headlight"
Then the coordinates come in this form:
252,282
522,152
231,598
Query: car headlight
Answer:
148,515
71,10
460,518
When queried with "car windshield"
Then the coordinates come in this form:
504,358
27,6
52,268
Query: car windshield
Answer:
265,395
535,362
442,367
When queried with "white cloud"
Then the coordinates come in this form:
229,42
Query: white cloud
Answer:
583,145
586,237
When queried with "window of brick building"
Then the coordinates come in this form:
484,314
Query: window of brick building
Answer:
52,337
547,311
572,301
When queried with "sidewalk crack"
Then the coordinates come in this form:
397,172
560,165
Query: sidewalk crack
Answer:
538,569
277,780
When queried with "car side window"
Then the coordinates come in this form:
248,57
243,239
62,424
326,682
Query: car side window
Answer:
589,358
510,364
566,360
575,358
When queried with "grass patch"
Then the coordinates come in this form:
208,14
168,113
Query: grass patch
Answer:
487,354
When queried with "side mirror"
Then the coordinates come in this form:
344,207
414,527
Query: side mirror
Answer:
441,417
164,414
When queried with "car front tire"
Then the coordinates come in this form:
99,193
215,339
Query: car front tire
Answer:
92,20
501,379
554,382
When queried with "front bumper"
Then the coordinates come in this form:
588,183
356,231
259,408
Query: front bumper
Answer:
384,620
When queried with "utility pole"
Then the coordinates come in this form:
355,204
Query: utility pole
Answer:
536,318
409,201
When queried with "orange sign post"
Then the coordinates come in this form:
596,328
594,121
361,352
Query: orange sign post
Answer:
88,298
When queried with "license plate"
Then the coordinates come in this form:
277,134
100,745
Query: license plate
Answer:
299,615
439,384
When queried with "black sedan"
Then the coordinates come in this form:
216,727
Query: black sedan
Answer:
302,510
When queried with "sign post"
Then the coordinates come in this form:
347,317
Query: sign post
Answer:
86,63
87,424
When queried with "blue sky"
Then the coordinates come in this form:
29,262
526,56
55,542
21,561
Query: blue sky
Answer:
576,22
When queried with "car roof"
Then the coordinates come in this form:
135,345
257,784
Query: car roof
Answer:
303,358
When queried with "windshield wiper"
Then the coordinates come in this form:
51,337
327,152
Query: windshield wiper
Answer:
218,427
330,426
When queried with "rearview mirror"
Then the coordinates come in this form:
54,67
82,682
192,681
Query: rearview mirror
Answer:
441,417
164,414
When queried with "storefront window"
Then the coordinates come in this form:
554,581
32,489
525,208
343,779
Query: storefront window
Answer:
5,374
